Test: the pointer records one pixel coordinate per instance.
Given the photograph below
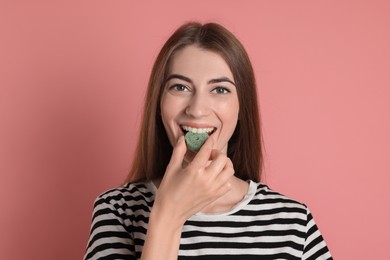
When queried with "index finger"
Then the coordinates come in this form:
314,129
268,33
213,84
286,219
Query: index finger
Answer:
178,154
203,156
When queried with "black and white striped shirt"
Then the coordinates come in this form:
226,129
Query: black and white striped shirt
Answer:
264,225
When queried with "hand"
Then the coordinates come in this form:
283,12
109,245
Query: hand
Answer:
186,191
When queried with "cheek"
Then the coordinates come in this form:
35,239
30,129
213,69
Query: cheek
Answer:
165,112
229,111
230,116
172,107
169,112
166,120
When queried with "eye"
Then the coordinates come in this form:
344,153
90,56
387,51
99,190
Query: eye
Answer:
221,90
179,87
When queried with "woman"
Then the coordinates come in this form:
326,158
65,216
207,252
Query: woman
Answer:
179,204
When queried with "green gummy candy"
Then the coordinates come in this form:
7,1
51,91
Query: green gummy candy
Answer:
195,140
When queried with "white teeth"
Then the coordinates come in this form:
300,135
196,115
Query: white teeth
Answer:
197,130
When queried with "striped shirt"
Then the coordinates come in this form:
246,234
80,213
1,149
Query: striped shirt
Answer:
264,225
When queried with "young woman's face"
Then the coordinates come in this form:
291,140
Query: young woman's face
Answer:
200,93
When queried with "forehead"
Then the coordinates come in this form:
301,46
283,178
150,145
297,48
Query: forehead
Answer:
193,61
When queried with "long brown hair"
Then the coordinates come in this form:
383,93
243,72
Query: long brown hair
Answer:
245,146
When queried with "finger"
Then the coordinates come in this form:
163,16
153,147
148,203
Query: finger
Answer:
223,180
226,173
223,189
203,156
178,153
218,162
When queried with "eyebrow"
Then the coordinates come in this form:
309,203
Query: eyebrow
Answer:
211,81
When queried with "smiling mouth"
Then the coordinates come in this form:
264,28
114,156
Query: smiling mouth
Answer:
186,129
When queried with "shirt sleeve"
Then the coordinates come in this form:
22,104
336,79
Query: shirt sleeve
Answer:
110,237
315,247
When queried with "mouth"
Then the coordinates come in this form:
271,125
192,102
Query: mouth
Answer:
208,130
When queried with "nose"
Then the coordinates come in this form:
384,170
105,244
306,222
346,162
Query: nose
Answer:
198,106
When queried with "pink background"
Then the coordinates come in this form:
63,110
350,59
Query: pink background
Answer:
72,80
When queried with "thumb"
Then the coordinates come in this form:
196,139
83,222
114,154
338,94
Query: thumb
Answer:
177,157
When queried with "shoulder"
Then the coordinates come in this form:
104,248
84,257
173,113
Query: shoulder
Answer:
264,192
126,195
271,199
